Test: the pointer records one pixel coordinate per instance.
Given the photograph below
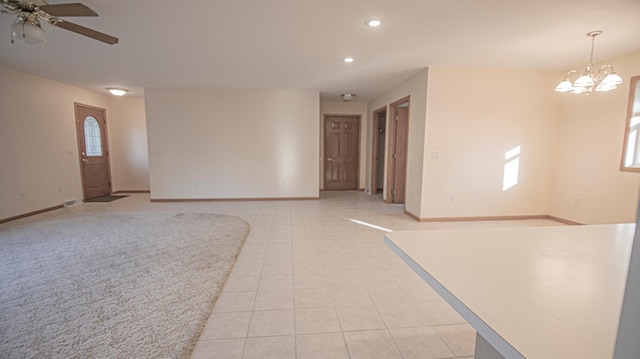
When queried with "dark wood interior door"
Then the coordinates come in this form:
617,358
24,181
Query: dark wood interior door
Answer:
91,124
341,145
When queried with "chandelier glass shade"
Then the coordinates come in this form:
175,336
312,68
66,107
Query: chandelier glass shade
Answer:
590,79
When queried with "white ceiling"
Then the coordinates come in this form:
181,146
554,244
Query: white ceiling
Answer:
300,44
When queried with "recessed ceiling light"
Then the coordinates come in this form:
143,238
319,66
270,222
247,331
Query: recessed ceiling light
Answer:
348,60
117,92
373,22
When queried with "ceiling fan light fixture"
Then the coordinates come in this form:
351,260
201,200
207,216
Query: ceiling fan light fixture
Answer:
117,92
17,29
30,13
28,29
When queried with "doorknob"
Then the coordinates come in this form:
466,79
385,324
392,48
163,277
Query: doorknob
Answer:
84,160
329,159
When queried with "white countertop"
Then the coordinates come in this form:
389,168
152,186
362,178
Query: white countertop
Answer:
549,292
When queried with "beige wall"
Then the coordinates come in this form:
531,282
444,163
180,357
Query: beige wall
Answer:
128,143
38,145
232,144
590,137
474,116
416,88
346,108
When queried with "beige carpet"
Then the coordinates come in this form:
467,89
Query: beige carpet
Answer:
112,285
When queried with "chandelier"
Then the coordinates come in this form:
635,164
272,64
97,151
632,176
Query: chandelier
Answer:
587,81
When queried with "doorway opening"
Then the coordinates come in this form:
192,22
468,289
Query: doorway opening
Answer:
93,147
378,146
398,130
341,152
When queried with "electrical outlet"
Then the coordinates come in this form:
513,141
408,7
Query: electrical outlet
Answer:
452,198
577,202
59,188
21,195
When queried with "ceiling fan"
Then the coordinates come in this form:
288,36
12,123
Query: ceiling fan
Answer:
29,13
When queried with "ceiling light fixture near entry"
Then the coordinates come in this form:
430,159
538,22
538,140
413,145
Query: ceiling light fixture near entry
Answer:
117,92
346,97
373,22
348,60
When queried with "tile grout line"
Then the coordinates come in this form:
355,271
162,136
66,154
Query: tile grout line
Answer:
293,289
246,339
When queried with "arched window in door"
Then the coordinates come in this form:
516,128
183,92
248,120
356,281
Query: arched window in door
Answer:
92,139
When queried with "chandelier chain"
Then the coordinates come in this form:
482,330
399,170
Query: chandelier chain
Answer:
593,42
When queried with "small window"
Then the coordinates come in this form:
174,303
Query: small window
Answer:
631,147
92,139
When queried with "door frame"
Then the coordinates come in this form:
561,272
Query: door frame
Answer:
82,149
391,144
324,147
374,149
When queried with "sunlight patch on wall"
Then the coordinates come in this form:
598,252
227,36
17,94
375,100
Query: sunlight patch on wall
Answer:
511,168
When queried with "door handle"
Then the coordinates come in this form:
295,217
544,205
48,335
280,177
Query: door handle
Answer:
84,160
329,159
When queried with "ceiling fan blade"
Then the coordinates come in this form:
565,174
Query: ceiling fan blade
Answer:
73,9
86,32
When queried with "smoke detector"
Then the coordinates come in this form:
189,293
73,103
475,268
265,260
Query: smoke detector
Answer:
346,97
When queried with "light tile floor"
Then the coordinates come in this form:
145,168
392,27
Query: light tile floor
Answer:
311,283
